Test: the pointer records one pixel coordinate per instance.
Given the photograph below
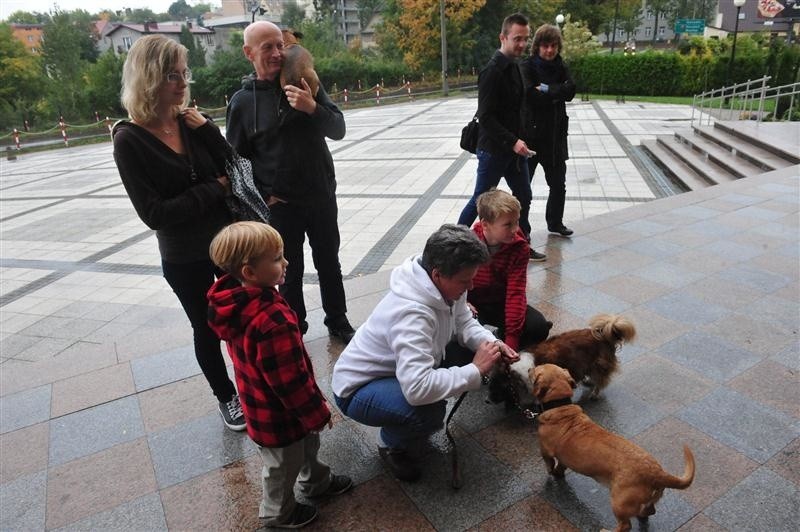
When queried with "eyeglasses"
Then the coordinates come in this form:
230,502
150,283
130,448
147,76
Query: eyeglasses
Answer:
175,77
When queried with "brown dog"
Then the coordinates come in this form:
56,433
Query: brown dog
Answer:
569,439
588,354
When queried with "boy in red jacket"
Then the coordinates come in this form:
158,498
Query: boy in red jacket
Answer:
498,294
282,404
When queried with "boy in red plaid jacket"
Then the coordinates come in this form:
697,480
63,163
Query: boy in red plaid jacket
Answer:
498,294
282,404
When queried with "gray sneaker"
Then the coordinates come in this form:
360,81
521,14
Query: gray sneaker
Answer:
232,415
535,256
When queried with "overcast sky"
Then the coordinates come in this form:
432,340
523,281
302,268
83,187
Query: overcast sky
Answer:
92,6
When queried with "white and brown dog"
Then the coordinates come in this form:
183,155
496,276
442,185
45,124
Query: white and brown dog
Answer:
568,439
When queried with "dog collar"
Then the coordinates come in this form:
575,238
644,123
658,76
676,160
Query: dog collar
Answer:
557,403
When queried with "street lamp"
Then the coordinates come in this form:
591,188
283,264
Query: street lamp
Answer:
559,20
738,4
442,27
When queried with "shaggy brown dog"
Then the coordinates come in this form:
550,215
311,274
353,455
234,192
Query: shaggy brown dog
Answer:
297,63
569,439
588,354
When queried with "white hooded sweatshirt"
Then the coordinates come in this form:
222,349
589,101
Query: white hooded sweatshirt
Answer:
405,336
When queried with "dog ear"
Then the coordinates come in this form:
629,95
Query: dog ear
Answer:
570,380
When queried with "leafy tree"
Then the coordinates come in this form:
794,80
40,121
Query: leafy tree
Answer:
103,84
578,41
20,79
661,8
63,51
24,17
595,13
293,14
324,9
224,76
180,10
319,38
197,56
368,9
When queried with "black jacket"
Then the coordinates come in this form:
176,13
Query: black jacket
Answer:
290,157
499,104
177,196
546,120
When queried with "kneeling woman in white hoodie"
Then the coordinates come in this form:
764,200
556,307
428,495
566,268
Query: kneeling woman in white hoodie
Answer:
420,345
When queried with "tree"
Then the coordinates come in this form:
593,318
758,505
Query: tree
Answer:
368,9
103,84
24,17
197,55
180,10
660,8
578,41
293,14
20,80
63,51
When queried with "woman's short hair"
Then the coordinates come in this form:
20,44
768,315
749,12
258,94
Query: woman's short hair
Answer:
547,33
495,203
149,61
239,243
453,248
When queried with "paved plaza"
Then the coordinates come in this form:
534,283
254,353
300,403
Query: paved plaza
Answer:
107,424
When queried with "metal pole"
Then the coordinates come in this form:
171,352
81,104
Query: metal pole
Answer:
733,48
443,30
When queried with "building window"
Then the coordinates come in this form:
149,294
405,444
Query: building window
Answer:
661,30
648,32
30,38
620,32
649,15
127,43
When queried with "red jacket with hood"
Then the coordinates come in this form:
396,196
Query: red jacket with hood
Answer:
280,398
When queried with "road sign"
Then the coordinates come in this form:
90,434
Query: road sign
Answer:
694,26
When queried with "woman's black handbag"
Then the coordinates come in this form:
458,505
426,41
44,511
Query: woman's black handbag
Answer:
469,136
245,202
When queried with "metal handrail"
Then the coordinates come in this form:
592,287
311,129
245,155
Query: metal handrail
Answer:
741,99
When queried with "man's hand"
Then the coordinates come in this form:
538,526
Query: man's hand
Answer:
521,149
472,309
486,357
193,118
301,99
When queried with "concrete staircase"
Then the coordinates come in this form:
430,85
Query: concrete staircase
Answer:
707,155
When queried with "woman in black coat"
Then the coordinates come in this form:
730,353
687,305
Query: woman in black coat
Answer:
548,85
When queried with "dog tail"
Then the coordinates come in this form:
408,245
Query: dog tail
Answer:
680,483
612,328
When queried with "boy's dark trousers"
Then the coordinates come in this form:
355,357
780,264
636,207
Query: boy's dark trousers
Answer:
535,329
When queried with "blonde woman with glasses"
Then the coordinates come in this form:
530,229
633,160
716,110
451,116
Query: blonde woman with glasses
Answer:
172,162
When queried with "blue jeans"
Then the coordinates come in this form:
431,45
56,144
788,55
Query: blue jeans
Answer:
381,403
491,167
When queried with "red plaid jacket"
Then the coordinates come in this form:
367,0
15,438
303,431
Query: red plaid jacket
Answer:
280,398
502,281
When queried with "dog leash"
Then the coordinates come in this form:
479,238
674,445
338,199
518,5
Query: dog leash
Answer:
456,479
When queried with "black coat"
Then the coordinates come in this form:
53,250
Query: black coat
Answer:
545,114
499,103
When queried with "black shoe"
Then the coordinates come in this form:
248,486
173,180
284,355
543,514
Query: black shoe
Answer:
400,464
562,230
232,415
301,516
339,484
341,328
535,256
303,327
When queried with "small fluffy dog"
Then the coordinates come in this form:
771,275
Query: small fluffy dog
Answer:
568,439
588,354
297,63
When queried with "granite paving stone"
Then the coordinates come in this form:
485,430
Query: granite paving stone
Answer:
772,384
90,389
164,368
786,462
684,308
762,501
587,302
22,502
94,429
709,355
751,428
34,440
25,408
144,513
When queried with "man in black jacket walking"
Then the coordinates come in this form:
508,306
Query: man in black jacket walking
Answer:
282,131
501,150
548,85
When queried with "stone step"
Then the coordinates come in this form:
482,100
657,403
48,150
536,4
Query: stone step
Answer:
760,157
699,163
785,149
729,161
679,171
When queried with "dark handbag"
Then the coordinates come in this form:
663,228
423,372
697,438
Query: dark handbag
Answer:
469,136
245,203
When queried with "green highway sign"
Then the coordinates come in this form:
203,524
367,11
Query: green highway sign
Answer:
690,25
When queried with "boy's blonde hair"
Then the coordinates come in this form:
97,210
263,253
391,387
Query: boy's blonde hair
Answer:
494,203
149,61
239,243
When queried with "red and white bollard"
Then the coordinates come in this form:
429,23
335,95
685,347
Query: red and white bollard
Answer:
378,94
408,89
345,96
63,130
226,100
108,124
96,116
27,126
16,137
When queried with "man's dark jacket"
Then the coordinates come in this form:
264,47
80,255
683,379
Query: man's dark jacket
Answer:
546,120
499,104
287,147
